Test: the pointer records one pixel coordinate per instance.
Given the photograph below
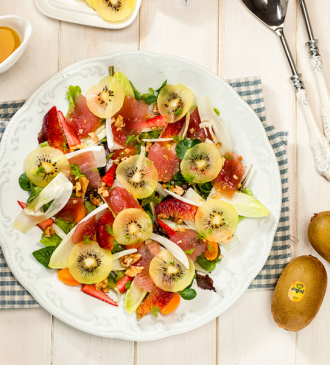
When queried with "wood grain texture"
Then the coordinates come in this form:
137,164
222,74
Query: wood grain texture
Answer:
70,346
312,189
25,337
247,334
77,42
222,36
194,348
39,61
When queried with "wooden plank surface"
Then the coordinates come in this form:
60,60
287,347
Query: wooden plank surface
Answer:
224,37
313,342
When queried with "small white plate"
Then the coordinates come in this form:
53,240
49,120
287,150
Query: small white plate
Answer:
239,267
77,11
23,28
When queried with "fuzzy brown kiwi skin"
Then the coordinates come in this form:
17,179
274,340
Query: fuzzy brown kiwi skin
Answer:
294,316
319,234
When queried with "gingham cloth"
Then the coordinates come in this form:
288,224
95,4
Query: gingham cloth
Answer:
13,295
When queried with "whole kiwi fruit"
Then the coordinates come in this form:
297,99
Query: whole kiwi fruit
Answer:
319,234
299,293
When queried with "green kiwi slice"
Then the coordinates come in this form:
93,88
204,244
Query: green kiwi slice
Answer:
202,163
132,226
217,219
88,263
45,163
138,175
174,101
169,274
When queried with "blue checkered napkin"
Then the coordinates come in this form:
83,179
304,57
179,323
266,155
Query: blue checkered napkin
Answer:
13,295
250,90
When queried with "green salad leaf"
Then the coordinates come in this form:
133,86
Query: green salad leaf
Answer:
24,182
150,96
71,94
89,206
50,241
76,172
204,189
247,191
206,264
188,294
43,255
117,248
65,226
44,144
153,198
185,145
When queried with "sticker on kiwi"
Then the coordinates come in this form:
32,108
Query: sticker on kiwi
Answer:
297,291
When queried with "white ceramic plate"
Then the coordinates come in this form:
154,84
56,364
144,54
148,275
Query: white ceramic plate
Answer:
238,268
77,11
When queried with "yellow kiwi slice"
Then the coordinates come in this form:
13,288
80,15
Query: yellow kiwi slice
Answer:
90,3
45,163
88,263
174,101
202,163
132,226
169,274
217,220
138,175
105,98
114,10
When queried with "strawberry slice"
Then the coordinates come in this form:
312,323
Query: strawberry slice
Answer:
70,134
168,230
122,283
104,226
44,224
109,177
90,290
177,209
52,131
157,121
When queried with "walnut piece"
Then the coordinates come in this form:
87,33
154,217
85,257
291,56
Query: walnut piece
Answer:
49,231
133,270
95,200
148,145
163,216
81,186
103,190
119,122
177,190
94,136
103,285
128,260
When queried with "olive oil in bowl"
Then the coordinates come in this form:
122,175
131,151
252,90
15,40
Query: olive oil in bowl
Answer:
9,42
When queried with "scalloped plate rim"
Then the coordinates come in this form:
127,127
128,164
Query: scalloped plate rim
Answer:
216,312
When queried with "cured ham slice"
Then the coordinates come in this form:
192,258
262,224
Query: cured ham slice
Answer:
87,165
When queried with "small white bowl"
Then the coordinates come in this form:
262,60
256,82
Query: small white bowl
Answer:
23,28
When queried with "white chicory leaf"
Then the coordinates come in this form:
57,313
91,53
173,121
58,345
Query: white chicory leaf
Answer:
133,298
164,192
173,248
58,191
59,258
210,120
100,133
59,231
245,205
234,242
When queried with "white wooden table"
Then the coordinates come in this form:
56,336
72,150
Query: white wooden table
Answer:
222,36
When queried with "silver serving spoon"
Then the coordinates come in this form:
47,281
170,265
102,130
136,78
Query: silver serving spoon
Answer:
272,13
317,67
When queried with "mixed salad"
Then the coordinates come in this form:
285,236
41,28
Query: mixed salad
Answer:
135,193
